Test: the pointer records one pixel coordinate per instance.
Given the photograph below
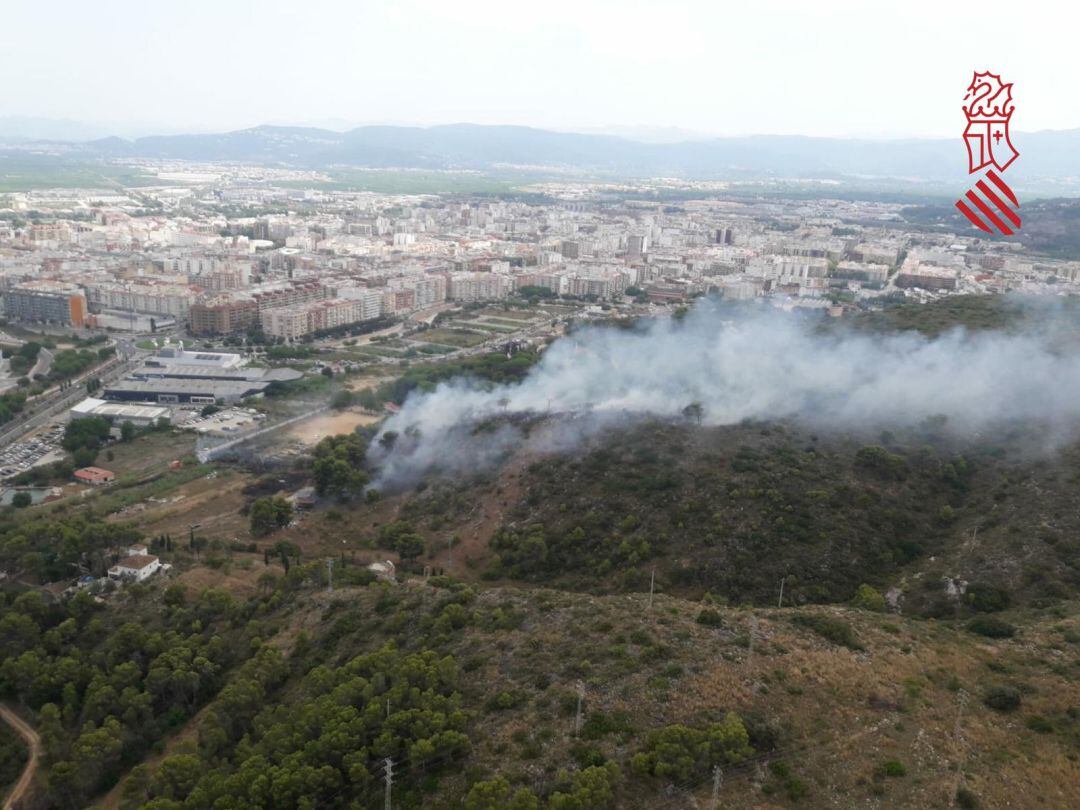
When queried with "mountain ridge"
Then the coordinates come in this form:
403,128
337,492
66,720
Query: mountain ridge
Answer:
1046,154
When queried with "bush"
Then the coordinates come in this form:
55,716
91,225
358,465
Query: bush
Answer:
1003,698
710,618
835,630
869,598
1040,724
966,799
991,627
882,463
986,598
891,769
21,500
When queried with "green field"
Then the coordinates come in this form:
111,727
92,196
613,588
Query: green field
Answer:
510,314
409,182
503,322
452,337
19,172
488,326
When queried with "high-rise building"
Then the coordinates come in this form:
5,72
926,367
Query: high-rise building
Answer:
637,245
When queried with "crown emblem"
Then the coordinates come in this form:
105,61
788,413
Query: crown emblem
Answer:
988,99
988,106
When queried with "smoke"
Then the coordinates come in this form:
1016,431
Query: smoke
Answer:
764,365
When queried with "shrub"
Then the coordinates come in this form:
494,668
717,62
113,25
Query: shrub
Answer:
881,462
1040,724
835,630
890,768
869,598
966,799
986,598
1003,698
991,627
710,618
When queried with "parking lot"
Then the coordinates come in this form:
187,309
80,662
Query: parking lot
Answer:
40,448
228,421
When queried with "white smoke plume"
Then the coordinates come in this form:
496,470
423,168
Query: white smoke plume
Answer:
761,366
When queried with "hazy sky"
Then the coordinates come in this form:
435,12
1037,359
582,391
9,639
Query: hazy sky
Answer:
821,68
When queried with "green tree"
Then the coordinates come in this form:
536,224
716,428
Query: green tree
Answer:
127,431
682,752
591,787
694,412
177,775
495,794
268,514
89,433
338,465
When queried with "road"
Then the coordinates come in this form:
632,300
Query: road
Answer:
53,404
33,744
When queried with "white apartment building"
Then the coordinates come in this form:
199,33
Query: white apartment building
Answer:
304,319
154,299
479,286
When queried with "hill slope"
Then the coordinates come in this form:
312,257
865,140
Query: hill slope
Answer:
1047,155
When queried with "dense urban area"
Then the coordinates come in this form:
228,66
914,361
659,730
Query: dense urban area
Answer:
216,595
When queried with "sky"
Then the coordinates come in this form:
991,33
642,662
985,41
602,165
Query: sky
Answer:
830,67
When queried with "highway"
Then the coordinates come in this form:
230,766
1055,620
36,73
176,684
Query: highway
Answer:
56,400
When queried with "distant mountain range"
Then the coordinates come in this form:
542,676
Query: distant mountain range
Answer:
1048,156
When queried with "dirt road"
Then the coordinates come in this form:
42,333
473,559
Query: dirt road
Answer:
33,743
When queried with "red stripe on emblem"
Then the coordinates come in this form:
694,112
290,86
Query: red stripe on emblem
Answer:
1008,192
990,215
996,200
967,212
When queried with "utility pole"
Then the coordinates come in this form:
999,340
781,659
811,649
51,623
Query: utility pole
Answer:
652,587
580,701
717,780
329,574
781,602
958,740
389,780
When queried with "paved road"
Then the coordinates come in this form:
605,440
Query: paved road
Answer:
46,408
33,744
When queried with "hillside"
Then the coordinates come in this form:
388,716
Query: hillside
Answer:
474,694
1048,155
834,618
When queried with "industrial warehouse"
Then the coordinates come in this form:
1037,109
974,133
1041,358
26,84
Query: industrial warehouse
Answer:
175,376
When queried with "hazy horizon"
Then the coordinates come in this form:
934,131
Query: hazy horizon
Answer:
590,65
